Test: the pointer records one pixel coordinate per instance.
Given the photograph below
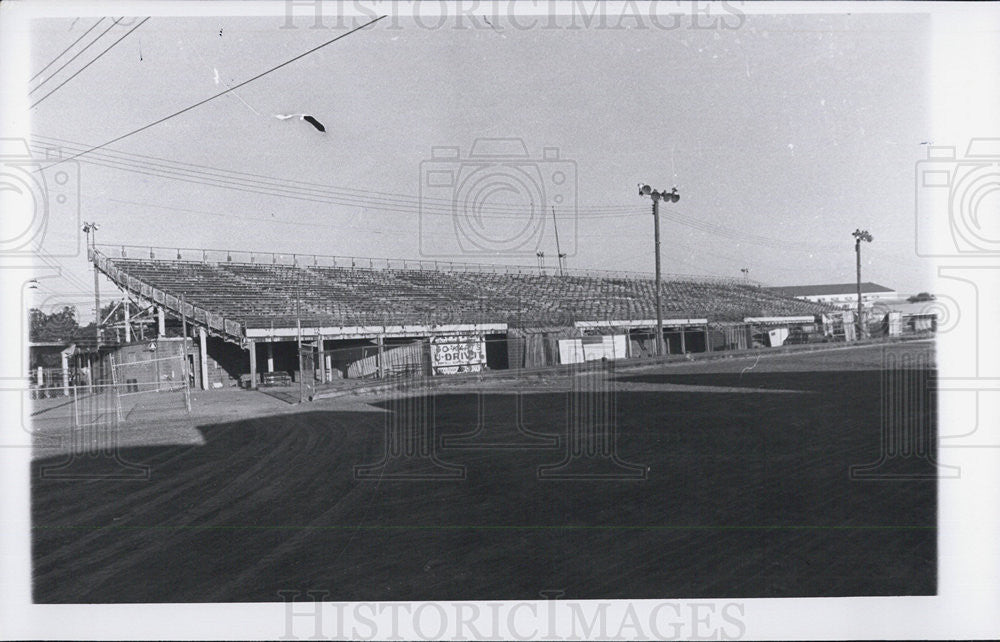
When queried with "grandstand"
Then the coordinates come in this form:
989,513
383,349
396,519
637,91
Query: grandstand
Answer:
246,298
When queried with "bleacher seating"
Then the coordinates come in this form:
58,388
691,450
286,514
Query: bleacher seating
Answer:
262,295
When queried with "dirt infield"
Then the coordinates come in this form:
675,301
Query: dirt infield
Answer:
732,479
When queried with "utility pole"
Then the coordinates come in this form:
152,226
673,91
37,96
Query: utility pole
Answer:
555,225
298,340
860,235
673,197
90,229
184,322
184,355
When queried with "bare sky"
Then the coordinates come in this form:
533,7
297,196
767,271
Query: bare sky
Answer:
782,133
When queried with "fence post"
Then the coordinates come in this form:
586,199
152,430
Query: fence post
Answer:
76,411
380,342
65,374
184,370
322,359
203,356
114,388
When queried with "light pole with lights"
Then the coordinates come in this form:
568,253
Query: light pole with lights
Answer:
860,235
673,197
90,229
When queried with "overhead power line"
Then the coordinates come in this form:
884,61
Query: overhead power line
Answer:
221,93
313,192
400,203
63,272
390,202
93,60
383,230
77,55
63,52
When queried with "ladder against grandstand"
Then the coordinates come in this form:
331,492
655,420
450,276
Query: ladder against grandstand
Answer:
841,326
116,391
310,354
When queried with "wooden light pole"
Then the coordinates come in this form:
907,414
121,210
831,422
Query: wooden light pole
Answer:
673,197
860,235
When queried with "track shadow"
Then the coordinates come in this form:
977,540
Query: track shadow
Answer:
744,496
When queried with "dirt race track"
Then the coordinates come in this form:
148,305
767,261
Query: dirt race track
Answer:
732,480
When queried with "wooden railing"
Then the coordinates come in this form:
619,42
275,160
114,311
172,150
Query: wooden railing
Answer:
214,322
205,255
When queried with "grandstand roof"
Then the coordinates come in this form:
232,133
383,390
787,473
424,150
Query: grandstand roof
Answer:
232,297
830,289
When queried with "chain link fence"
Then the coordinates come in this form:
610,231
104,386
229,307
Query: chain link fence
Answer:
116,392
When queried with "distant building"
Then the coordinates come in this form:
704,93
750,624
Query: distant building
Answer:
840,294
46,354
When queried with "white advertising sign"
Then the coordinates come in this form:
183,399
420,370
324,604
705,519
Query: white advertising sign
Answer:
456,353
592,348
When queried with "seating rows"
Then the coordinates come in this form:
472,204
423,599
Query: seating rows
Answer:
261,295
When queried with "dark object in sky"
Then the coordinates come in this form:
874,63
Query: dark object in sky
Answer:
315,123
309,119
